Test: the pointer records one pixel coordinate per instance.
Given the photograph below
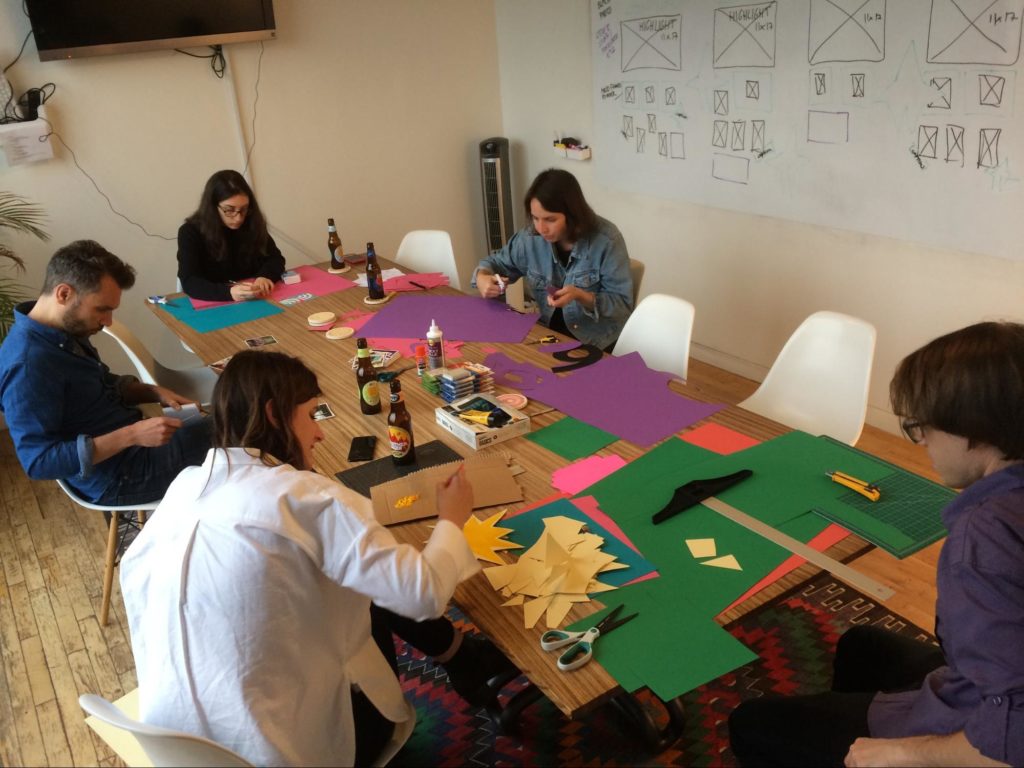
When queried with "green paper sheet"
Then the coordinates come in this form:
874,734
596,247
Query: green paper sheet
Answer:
571,438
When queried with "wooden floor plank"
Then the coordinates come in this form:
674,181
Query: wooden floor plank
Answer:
38,673
70,680
58,751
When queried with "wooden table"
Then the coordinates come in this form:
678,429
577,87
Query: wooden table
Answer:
589,686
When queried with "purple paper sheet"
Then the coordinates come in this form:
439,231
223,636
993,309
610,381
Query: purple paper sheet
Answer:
620,395
466,318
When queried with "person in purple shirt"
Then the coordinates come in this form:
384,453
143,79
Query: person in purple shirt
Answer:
896,701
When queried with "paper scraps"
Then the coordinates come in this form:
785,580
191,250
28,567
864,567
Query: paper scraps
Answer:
702,548
486,538
560,569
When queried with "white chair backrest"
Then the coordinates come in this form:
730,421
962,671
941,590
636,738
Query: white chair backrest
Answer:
429,250
163,746
819,382
149,506
659,329
636,271
144,362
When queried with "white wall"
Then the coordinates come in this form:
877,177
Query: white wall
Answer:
370,112
752,279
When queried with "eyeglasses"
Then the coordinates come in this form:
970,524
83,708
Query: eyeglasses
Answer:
232,213
913,429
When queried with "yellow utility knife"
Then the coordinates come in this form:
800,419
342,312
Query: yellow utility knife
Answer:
867,490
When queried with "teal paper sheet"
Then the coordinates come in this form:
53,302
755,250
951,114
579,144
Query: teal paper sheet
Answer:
215,318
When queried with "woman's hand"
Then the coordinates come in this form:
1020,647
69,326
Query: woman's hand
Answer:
568,294
455,498
263,286
490,285
243,292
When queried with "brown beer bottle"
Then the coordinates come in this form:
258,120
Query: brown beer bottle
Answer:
334,247
403,448
374,281
366,379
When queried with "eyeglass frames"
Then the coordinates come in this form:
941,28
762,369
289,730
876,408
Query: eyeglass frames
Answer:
913,429
232,213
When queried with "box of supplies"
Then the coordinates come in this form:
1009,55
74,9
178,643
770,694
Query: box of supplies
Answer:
479,420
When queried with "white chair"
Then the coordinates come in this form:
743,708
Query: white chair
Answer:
636,271
161,746
429,250
659,329
819,382
195,383
110,561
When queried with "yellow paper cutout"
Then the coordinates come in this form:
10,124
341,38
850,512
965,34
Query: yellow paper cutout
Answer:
534,609
726,561
485,538
557,611
700,548
514,600
406,501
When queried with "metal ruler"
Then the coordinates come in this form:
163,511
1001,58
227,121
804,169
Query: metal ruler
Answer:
846,573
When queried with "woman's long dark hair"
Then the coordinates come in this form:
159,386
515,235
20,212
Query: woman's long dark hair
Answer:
559,192
253,232
250,380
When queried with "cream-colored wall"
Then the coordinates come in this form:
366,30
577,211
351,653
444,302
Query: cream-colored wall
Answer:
370,112
752,279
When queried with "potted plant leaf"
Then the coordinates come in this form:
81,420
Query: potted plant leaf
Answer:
20,215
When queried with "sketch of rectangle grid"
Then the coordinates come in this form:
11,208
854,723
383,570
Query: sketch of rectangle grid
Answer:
846,30
652,122
753,89
627,126
653,42
739,135
820,84
928,141
744,36
720,134
990,90
757,141
629,94
730,168
721,102
649,97
988,147
677,145
670,95
975,31
941,93
641,140
663,144
857,85
828,127
955,144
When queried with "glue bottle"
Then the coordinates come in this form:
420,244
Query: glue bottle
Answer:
435,347
421,359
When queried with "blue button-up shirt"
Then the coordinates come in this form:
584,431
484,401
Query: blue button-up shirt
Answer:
980,624
56,395
598,264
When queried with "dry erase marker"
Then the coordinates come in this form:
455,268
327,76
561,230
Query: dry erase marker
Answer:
501,283
868,490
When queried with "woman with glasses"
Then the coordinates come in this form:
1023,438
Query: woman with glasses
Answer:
224,250
895,700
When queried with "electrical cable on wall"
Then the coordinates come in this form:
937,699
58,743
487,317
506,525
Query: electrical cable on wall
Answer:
259,74
217,62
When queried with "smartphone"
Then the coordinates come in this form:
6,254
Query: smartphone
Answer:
362,448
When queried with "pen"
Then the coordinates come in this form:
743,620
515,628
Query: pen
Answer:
418,285
501,283
867,490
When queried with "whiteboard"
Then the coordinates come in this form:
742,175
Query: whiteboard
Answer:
895,119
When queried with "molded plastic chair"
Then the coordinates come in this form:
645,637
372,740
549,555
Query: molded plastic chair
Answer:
636,271
429,250
115,514
161,745
659,329
819,382
195,383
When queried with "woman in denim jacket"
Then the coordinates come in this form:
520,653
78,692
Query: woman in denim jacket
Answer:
575,263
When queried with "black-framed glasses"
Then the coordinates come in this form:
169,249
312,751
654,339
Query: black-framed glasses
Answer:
231,212
913,429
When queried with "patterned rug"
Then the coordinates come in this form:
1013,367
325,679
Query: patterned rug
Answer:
794,636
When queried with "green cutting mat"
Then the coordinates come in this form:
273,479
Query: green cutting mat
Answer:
906,518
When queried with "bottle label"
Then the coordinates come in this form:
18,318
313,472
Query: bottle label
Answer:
401,441
370,393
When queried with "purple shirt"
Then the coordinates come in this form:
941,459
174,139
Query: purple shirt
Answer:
980,624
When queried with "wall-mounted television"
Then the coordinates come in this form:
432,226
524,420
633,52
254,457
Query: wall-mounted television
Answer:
66,29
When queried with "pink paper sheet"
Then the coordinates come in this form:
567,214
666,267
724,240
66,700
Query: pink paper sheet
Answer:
314,280
426,281
585,472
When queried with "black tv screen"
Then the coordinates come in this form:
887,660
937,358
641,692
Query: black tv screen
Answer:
67,29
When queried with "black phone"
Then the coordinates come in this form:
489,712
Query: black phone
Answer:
362,448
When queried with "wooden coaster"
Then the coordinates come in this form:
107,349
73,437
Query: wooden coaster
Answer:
341,332
321,318
385,300
513,400
334,271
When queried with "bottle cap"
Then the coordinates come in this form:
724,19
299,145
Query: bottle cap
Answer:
421,350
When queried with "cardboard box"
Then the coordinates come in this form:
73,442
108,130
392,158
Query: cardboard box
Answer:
478,435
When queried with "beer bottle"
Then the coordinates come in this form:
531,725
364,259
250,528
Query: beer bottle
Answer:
403,448
334,248
366,379
374,281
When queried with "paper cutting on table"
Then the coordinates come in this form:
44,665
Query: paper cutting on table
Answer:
585,472
416,282
571,438
315,281
217,318
725,561
702,547
486,538
463,318
719,439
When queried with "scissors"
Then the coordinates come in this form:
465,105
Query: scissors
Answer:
581,644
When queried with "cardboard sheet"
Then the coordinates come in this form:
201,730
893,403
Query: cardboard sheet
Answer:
362,477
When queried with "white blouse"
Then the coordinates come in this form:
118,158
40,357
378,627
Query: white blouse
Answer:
248,596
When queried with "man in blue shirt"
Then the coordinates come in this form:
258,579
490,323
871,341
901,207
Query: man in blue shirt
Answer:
69,416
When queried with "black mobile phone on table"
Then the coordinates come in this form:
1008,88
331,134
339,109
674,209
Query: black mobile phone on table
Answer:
362,448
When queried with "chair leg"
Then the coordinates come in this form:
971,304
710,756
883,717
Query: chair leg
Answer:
142,517
108,568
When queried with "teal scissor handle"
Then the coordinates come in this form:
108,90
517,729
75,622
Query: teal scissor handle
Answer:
557,638
580,652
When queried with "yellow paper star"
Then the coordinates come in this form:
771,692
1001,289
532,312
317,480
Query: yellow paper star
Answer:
485,538
407,501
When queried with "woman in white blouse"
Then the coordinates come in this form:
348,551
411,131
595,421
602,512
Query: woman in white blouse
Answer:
249,592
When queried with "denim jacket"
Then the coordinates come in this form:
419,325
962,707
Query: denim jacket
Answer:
598,264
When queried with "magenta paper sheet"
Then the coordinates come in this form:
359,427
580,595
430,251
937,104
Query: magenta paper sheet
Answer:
466,318
314,280
620,395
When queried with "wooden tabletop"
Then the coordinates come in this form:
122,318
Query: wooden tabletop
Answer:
585,688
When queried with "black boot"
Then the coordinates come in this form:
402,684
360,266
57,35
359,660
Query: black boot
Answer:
474,665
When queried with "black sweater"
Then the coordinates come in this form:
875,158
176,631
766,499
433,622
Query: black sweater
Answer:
202,277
